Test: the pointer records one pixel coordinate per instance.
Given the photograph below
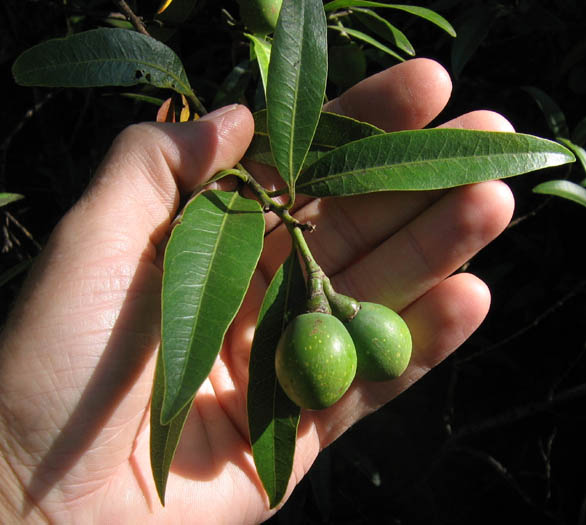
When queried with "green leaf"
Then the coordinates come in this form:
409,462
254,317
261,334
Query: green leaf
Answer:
472,31
262,53
578,151
563,188
234,85
7,198
422,12
296,84
164,438
426,160
579,133
209,261
556,120
382,27
102,57
272,417
368,39
332,131
14,271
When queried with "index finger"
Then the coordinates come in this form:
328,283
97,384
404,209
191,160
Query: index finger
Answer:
406,96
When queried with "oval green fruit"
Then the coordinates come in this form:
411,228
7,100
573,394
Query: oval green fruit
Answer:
382,340
315,360
260,16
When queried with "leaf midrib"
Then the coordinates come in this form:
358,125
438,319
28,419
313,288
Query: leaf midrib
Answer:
104,60
276,383
346,173
293,176
203,293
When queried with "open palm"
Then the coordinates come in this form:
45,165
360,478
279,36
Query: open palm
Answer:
77,354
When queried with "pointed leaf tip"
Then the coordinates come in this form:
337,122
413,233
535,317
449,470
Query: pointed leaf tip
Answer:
428,159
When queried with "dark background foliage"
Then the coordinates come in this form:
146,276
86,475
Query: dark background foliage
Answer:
495,433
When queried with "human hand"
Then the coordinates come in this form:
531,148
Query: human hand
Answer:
77,353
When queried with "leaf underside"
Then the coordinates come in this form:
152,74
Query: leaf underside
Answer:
102,57
427,160
359,35
382,27
296,83
209,261
563,188
163,438
272,417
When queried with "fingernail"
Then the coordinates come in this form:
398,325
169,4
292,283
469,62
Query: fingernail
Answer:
219,112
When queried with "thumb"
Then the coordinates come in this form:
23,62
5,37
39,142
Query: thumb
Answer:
140,180
87,319
128,208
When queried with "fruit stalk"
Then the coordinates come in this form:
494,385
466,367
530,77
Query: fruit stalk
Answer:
317,298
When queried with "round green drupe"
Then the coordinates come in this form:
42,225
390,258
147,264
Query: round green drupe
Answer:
260,16
315,360
382,340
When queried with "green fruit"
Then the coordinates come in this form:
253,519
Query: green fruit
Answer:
315,360
382,340
260,16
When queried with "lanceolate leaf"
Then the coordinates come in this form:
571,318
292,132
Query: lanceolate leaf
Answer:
556,120
369,40
272,417
579,133
382,27
474,26
563,188
426,160
209,261
427,14
102,57
7,198
164,438
296,83
578,151
262,52
332,131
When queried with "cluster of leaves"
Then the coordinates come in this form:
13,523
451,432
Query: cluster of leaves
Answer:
215,247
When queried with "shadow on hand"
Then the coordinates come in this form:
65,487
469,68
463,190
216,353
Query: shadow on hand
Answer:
125,356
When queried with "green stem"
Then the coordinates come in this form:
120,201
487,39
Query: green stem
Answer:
220,175
343,307
277,193
199,107
316,298
267,202
313,269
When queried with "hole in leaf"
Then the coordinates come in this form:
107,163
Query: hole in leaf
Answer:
138,74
